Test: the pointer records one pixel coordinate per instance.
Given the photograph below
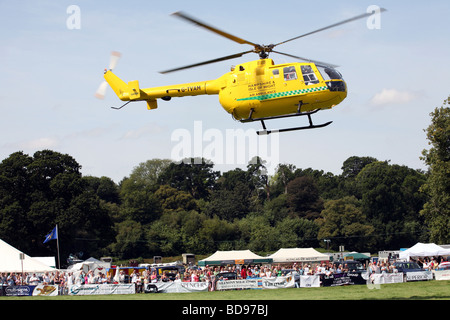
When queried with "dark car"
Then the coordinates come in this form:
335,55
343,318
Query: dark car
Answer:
351,266
226,275
407,267
169,271
354,266
293,273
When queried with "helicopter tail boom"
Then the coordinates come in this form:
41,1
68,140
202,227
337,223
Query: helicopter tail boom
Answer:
121,89
131,91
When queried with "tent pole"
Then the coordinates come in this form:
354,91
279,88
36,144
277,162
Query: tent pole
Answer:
57,245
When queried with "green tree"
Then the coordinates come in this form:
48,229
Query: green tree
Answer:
303,197
436,210
283,175
231,178
141,206
105,188
173,199
129,241
391,201
217,234
15,191
327,183
258,177
230,204
343,222
256,234
296,232
164,235
195,176
276,209
145,176
353,165
38,192
137,192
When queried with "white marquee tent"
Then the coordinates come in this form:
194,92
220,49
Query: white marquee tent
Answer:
290,255
10,261
90,264
234,257
424,250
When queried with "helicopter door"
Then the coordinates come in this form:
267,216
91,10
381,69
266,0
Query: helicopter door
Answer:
308,75
240,77
289,73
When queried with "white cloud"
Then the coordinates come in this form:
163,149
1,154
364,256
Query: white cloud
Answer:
151,128
392,96
40,144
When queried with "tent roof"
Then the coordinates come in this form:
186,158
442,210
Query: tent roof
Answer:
298,255
90,264
233,257
424,250
10,261
357,256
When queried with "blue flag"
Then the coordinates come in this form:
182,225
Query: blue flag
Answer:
53,235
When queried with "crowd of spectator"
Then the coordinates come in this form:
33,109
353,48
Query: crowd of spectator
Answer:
141,277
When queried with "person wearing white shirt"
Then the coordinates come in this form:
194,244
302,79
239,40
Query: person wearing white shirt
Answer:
34,280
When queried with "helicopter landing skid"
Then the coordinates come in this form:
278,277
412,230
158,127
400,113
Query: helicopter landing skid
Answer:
298,114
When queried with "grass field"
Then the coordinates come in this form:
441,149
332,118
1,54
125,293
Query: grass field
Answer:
420,290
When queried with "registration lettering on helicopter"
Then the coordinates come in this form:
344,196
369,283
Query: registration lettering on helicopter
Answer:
193,88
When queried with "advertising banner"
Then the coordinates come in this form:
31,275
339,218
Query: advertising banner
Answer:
90,289
238,284
309,281
419,276
257,283
341,279
40,290
442,274
278,282
383,278
178,287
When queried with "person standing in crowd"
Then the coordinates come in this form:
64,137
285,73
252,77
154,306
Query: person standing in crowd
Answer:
70,279
34,280
244,272
46,279
121,277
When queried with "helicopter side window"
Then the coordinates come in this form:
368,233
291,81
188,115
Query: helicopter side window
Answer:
308,75
290,73
276,73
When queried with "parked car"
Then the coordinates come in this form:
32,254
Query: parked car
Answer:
169,271
351,266
294,273
444,266
226,275
407,267
354,266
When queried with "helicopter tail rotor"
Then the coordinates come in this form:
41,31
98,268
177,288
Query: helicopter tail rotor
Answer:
114,59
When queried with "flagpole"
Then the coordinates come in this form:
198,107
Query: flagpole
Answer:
57,245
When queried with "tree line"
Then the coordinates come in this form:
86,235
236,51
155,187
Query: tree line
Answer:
166,208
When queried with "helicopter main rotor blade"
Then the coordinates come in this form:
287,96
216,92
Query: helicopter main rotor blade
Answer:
233,56
318,63
361,16
213,29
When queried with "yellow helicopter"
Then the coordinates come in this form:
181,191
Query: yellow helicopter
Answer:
258,90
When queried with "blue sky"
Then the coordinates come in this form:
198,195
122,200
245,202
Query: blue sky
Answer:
396,76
